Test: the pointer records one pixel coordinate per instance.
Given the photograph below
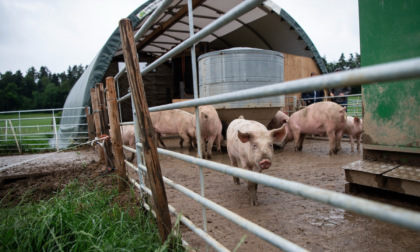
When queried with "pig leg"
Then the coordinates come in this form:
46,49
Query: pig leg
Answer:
359,138
218,140
159,138
184,137
300,141
234,163
331,138
338,136
296,136
210,142
351,143
252,190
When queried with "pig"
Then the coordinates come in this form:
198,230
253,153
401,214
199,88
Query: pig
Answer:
250,145
174,121
318,118
129,138
210,129
354,129
278,120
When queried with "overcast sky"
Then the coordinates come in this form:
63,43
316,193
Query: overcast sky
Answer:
63,33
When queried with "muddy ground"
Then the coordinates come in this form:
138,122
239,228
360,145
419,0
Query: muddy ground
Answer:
311,225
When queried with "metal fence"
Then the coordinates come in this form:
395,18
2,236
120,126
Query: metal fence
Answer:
385,72
35,130
354,103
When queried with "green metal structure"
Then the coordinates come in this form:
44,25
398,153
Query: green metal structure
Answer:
390,31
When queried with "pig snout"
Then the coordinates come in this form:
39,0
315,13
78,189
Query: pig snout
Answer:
265,164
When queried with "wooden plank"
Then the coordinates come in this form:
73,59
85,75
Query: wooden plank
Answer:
104,126
146,129
97,120
91,124
115,133
298,67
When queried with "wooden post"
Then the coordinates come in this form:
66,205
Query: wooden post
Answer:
91,124
97,121
115,132
14,135
104,126
145,124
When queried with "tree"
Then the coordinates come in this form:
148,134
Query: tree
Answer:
37,89
343,65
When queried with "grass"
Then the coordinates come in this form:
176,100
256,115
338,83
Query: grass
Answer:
80,218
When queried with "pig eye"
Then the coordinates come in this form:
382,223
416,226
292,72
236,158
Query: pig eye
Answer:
254,146
271,145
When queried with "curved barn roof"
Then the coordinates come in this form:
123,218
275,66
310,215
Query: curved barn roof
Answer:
265,27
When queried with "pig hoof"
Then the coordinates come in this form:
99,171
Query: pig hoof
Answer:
253,202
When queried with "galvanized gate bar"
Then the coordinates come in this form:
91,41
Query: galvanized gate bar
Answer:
399,70
253,228
146,26
201,233
229,16
387,213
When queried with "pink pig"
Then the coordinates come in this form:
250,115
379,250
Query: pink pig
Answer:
174,121
318,118
128,138
278,120
250,146
354,129
210,129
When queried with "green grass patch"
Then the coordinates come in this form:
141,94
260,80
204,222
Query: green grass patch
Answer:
80,218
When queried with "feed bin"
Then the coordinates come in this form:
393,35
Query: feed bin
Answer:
241,68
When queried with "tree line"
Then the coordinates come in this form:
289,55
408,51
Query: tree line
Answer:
44,90
37,89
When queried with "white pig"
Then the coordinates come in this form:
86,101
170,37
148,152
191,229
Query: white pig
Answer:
129,138
318,118
250,146
210,129
354,129
174,121
278,120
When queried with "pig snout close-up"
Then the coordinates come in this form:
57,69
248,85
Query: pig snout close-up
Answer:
250,146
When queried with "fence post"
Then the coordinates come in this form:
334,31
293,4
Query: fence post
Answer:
91,124
97,121
148,137
55,132
115,132
13,131
104,125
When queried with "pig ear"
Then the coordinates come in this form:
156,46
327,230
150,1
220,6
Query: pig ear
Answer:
244,137
278,134
204,115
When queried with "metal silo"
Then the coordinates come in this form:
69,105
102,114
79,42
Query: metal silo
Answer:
237,69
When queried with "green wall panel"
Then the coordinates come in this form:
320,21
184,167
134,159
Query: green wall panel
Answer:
390,31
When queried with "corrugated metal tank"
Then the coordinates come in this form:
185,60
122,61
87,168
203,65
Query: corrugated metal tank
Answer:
241,68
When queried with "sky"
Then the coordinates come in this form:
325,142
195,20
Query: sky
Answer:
59,34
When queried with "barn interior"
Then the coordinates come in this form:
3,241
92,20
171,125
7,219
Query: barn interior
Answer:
267,27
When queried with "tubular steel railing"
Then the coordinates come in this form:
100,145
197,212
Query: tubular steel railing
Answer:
22,133
380,73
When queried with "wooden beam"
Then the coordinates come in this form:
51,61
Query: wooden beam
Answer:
146,129
99,88
97,120
115,133
167,24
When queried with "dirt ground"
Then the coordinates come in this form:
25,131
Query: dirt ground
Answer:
311,225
